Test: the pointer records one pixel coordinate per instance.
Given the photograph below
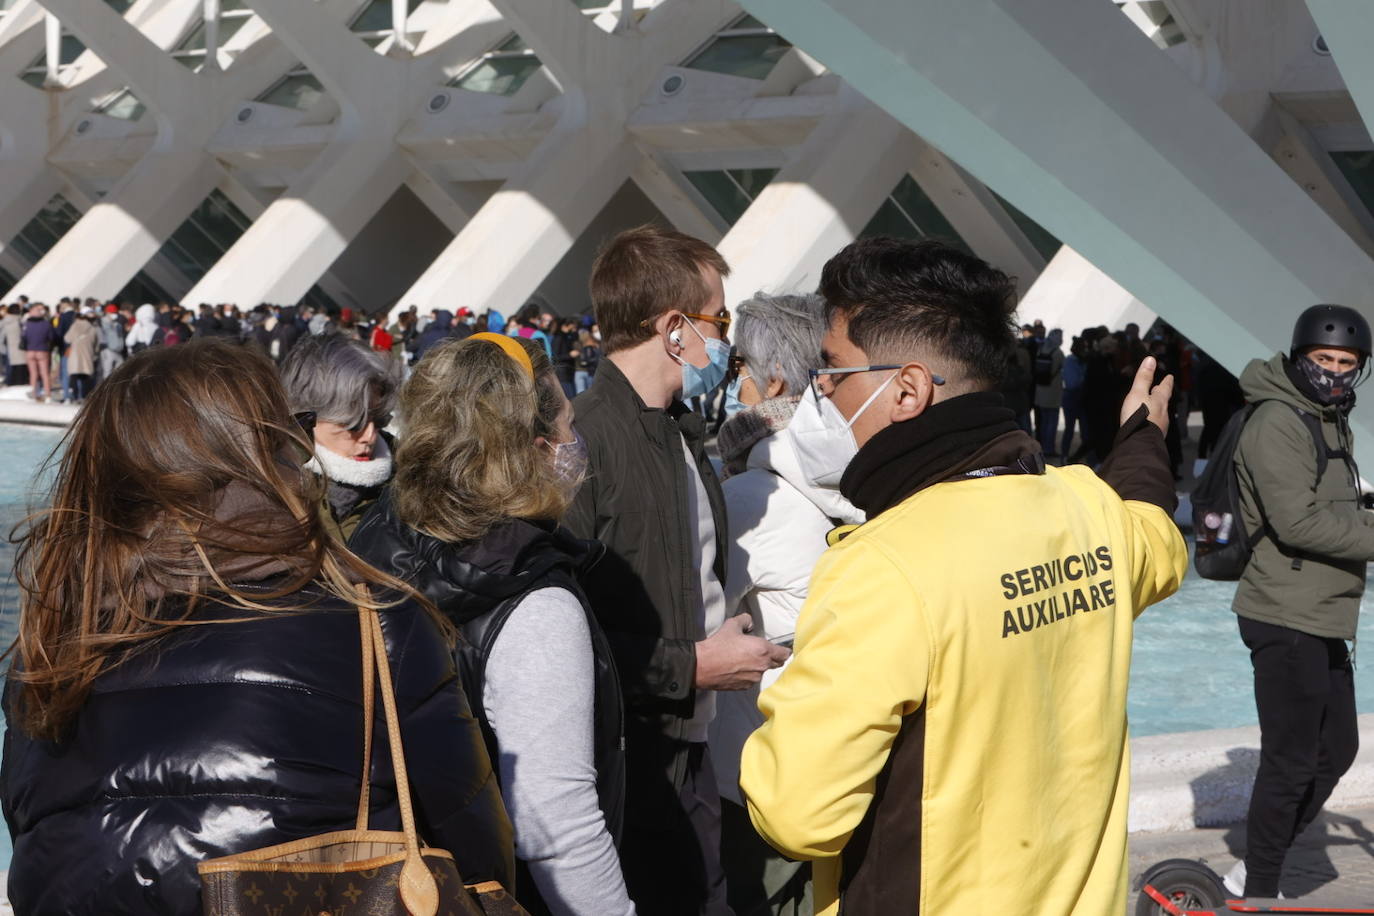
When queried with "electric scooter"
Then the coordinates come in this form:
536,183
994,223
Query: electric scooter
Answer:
1183,887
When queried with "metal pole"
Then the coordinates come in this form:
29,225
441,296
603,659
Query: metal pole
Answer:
626,20
210,10
52,33
400,9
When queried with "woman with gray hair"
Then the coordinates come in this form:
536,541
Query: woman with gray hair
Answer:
344,391
783,501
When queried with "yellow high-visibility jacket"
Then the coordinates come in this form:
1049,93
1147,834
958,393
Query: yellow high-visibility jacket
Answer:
952,729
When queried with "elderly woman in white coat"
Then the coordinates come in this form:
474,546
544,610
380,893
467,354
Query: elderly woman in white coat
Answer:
782,488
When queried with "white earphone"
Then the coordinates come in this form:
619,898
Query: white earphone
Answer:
676,338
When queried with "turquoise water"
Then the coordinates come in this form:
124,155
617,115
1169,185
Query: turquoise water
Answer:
1191,671
24,449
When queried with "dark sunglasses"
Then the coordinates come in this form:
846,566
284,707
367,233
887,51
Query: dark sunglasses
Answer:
307,420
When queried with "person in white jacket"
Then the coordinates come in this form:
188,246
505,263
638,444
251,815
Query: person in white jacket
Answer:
783,497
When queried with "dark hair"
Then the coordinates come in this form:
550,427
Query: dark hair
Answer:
644,272
528,314
176,478
897,295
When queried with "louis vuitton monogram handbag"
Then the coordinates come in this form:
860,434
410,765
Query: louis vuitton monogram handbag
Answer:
357,871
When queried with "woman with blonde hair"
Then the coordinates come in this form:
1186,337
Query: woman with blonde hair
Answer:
487,464
187,681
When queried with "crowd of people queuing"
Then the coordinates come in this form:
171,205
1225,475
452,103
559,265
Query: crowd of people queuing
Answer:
80,342
875,650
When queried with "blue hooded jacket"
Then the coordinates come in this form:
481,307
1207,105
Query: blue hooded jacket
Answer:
441,328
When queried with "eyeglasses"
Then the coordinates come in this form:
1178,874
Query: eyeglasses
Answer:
308,420
722,320
816,375
378,418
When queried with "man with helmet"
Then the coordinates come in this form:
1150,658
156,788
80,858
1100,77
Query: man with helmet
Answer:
1299,597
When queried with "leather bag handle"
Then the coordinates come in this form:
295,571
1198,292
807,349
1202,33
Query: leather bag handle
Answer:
419,892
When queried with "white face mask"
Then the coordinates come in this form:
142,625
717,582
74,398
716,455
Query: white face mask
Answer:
823,439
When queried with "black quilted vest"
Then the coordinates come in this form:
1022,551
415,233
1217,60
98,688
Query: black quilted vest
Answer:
477,585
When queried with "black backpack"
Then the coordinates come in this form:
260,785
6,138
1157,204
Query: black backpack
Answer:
1044,368
1223,544
159,336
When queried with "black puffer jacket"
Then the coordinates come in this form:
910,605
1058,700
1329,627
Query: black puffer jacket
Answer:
234,736
477,585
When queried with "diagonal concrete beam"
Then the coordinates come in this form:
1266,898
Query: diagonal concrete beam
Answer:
349,69
577,168
159,81
1105,143
976,215
819,202
668,191
553,197
116,237
1348,28
304,230
563,38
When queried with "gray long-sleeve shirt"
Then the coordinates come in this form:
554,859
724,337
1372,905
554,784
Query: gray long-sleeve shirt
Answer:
538,697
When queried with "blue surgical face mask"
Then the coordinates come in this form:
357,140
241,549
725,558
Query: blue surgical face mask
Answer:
699,382
733,405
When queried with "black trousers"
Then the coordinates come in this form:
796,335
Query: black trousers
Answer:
673,868
1305,695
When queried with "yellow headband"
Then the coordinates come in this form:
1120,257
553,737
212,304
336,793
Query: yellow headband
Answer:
513,349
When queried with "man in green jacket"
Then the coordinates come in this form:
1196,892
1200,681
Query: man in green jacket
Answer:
1299,597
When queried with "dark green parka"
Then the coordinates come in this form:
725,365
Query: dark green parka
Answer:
1308,568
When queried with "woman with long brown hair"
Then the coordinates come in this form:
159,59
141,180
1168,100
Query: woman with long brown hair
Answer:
487,464
187,678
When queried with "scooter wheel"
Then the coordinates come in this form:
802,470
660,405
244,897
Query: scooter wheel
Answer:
1186,884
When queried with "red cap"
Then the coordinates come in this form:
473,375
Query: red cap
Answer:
112,308
464,312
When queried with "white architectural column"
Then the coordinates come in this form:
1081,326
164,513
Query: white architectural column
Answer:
210,13
52,49
976,215
819,202
26,180
125,229
400,12
504,252
117,236
1107,144
306,228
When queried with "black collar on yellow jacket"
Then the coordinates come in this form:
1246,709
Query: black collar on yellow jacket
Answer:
970,433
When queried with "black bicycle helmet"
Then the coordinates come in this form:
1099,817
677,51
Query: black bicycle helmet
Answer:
1332,326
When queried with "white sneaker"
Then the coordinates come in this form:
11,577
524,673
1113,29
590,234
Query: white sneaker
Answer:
1234,881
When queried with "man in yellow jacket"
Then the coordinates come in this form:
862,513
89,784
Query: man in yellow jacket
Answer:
951,736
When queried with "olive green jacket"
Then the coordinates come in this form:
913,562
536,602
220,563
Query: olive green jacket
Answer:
1308,566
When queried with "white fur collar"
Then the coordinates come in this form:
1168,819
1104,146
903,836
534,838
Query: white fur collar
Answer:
343,470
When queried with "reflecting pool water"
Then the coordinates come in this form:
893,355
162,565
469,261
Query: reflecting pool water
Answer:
23,449
1191,671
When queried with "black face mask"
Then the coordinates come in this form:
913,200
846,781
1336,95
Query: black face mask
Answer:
1323,385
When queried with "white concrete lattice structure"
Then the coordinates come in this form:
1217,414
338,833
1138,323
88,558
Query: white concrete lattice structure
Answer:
1192,174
